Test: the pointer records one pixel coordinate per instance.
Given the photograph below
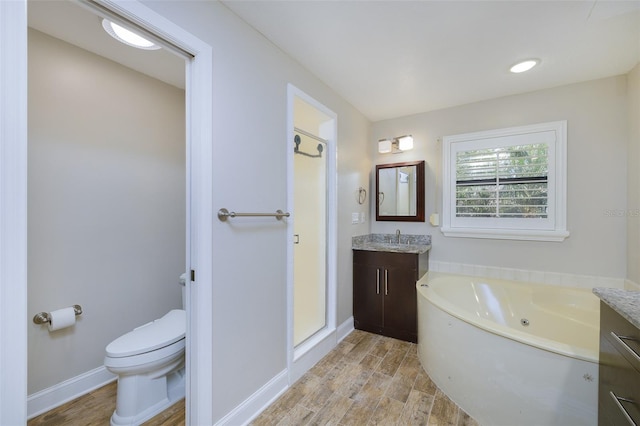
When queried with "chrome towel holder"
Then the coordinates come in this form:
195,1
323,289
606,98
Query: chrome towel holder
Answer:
224,214
45,317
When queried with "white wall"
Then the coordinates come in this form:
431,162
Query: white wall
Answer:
106,194
633,178
250,135
597,116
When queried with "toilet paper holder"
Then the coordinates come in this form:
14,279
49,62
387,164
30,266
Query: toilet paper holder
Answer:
45,317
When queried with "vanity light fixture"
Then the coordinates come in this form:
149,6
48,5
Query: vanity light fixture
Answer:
127,37
395,145
405,143
524,65
384,146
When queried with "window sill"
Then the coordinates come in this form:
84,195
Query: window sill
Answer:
507,234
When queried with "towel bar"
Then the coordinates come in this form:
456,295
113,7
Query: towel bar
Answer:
224,214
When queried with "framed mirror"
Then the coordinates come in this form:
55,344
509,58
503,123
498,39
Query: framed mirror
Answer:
400,192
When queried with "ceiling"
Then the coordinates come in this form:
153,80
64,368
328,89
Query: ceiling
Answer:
392,58
76,25
396,58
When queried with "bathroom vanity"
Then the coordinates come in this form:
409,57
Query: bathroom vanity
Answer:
385,273
619,368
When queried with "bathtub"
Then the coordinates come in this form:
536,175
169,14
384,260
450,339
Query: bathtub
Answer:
511,353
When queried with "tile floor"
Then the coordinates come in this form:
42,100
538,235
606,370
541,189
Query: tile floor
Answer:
367,380
95,409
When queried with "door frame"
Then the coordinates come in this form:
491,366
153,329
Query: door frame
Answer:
13,203
308,353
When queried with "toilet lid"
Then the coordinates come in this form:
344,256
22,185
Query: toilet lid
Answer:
154,335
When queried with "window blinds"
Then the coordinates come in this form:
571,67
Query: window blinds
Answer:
508,181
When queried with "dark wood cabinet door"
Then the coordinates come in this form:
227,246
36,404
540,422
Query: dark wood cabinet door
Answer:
617,378
619,375
367,296
400,310
384,293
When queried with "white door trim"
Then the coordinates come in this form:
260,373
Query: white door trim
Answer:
13,212
13,201
300,359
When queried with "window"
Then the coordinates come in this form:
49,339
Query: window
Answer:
506,183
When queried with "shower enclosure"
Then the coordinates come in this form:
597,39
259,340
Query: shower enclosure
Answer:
310,200
312,229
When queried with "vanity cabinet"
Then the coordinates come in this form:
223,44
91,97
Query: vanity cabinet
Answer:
384,292
619,370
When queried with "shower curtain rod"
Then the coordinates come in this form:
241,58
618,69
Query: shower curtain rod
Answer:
311,135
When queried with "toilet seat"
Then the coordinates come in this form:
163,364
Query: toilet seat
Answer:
147,361
155,335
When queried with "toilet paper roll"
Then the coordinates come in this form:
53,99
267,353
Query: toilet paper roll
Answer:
62,318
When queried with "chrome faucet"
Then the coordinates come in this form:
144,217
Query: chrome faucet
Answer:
398,235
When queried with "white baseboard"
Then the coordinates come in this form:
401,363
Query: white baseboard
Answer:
54,396
256,403
306,356
265,396
345,329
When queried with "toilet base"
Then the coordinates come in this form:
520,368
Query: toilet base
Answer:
159,394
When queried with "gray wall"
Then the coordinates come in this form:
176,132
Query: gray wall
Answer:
250,77
106,214
597,117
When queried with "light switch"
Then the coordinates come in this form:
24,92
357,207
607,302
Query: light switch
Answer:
355,218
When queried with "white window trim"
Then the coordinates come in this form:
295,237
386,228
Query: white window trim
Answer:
552,229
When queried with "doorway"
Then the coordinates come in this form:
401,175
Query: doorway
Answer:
106,203
13,407
312,192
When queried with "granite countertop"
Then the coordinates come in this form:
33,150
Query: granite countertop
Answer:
409,243
624,302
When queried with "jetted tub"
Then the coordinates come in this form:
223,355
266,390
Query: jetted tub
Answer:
511,353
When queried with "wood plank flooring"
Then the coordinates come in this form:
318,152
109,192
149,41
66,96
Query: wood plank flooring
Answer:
366,380
96,408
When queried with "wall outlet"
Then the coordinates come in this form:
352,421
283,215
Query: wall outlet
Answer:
355,218
361,217
434,219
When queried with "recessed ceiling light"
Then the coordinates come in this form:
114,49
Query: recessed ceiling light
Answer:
524,65
127,37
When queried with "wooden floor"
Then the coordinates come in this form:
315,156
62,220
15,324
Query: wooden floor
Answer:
96,408
366,380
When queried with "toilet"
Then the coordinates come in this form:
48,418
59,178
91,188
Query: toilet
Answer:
150,364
